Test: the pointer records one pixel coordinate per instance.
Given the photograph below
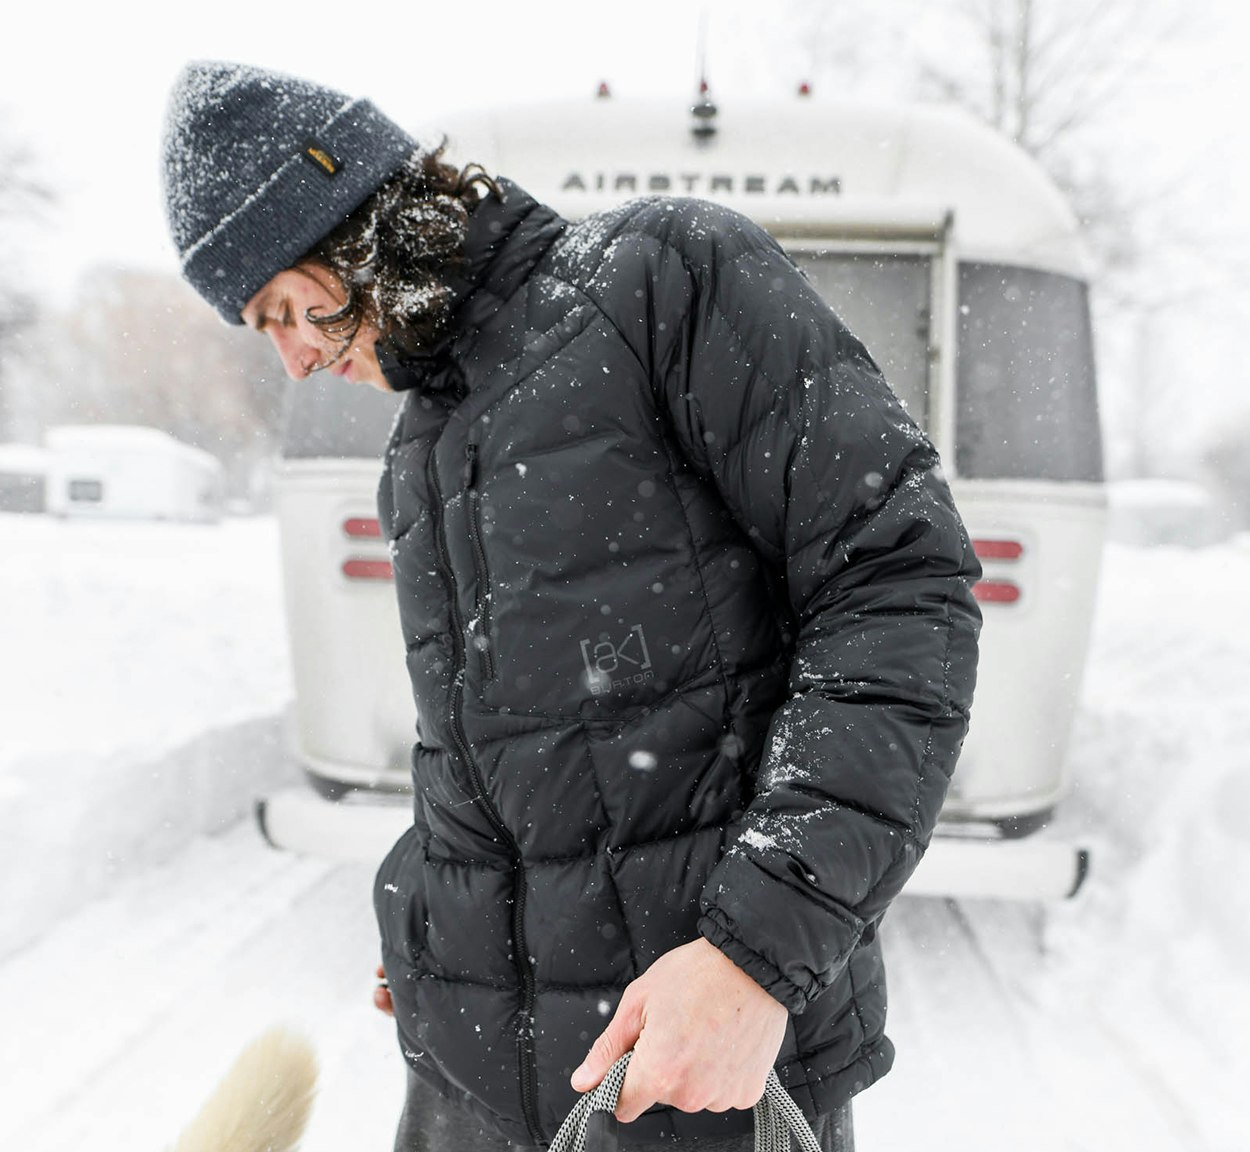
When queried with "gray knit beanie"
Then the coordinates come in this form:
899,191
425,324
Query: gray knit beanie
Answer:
258,167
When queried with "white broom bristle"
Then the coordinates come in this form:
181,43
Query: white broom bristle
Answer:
262,1103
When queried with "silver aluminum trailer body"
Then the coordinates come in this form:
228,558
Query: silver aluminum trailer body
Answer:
956,261
23,478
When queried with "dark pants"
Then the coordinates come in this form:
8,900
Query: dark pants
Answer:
432,1124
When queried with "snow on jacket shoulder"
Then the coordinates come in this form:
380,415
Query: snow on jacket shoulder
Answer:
687,611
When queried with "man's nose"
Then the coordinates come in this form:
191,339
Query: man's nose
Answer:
293,352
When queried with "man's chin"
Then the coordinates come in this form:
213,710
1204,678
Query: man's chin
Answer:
354,373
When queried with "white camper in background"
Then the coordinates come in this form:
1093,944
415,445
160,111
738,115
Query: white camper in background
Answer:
23,478
956,261
130,471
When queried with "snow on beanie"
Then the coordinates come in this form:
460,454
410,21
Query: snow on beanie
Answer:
258,167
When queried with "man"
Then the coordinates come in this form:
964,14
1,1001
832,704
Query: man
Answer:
686,603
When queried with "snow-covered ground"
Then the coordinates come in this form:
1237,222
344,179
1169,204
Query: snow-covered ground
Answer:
146,934
143,679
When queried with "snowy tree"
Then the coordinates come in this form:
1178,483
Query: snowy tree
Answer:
1070,82
140,347
1051,76
24,198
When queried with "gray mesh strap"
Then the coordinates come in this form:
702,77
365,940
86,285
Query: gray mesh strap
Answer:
777,1116
572,1134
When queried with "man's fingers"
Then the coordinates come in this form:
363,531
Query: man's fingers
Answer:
675,1084
605,1052
703,1034
382,994
635,1097
615,1040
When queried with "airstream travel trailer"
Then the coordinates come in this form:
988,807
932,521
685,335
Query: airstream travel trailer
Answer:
130,471
23,478
960,266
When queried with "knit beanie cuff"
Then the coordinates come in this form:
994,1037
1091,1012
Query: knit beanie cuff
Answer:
311,192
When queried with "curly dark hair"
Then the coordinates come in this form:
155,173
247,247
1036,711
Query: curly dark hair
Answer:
394,253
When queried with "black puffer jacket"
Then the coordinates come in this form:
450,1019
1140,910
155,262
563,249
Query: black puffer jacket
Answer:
688,618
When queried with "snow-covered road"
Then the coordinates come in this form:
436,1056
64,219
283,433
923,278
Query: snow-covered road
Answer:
136,966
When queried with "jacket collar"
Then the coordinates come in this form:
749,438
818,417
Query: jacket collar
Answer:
507,235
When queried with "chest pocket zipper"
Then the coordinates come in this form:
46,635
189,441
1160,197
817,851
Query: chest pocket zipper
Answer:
481,621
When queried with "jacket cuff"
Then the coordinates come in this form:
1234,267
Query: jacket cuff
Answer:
752,963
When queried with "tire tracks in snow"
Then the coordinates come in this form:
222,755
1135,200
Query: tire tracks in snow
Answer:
132,983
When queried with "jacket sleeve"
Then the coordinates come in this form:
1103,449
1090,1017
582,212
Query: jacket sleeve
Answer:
778,405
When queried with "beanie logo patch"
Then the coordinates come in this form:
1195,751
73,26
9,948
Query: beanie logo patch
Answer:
316,153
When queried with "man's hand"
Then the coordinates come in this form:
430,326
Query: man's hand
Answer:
382,994
704,1036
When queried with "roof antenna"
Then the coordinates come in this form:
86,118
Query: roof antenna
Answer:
703,127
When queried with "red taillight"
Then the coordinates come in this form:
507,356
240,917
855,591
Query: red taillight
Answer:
996,591
361,527
998,549
367,569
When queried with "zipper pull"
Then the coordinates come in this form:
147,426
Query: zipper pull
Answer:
470,466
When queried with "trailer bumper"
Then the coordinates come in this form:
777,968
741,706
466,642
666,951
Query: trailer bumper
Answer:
1034,867
361,826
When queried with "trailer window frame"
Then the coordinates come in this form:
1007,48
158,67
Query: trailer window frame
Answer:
929,414
1042,433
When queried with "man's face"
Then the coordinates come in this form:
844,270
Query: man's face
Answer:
280,310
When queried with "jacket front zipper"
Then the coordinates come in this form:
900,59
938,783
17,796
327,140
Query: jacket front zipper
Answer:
526,1061
481,639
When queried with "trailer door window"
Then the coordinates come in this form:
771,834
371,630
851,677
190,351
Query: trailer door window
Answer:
883,299
1027,407
325,416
